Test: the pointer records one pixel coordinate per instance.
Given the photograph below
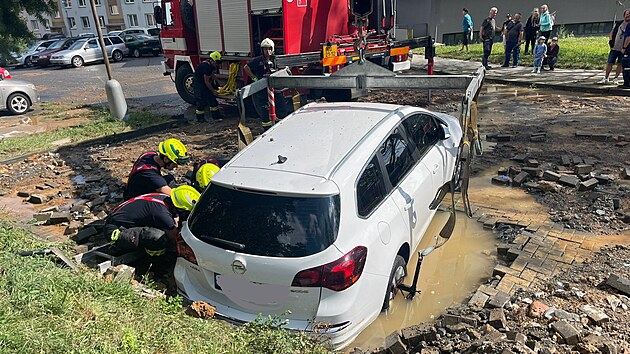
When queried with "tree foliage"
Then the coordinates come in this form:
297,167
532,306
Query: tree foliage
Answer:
14,32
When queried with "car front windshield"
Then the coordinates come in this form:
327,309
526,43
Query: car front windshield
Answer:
77,45
34,46
265,224
58,44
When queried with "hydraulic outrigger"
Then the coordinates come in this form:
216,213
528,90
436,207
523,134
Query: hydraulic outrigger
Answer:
364,75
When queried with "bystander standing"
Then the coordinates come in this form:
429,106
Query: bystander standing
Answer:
467,29
625,60
514,35
486,35
532,26
540,50
506,23
546,22
615,41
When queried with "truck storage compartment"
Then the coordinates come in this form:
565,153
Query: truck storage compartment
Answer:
210,27
265,5
236,31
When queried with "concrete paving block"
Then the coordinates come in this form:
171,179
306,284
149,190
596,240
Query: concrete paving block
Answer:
520,179
59,217
501,180
42,217
565,160
620,283
583,134
394,344
595,314
413,335
23,194
552,176
520,157
85,234
588,185
450,320
497,319
532,163
569,181
499,300
51,184
478,300
532,171
569,334
37,199
582,169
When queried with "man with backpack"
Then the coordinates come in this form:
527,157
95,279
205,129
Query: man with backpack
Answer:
486,35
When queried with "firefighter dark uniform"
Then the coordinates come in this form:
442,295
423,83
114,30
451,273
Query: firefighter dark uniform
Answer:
261,66
204,97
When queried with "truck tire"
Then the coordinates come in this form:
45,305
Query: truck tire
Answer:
398,274
338,95
188,14
184,83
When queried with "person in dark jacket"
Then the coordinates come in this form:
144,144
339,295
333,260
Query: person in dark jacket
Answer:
532,26
552,54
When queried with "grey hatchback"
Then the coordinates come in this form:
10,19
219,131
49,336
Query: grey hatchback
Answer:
88,50
17,95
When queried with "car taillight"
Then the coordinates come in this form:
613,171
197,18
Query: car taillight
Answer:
337,275
145,43
184,251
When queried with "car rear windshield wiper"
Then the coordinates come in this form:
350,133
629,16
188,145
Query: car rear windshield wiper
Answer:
232,244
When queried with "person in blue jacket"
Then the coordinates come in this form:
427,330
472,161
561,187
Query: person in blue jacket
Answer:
467,27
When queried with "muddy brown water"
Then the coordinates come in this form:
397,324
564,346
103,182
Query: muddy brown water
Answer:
447,277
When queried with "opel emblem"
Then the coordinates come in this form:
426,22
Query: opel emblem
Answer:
238,267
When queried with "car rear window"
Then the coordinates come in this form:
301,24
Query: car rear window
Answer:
263,224
115,40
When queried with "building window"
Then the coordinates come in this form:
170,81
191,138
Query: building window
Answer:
58,14
101,21
150,20
72,23
97,2
86,22
35,25
67,3
113,9
81,3
133,20
46,24
129,1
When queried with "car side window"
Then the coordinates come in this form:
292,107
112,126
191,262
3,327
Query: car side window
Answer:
397,156
422,130
128,38
115,40
107,41
92,44
370,188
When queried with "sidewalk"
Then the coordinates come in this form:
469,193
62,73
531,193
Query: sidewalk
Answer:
560,79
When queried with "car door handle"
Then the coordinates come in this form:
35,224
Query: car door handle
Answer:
409,204
435,168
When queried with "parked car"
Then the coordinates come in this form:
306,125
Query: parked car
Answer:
43,58
4,73
153,32
17,96
87,35
140,44
114,33
53,36
26,59
318,227
89,51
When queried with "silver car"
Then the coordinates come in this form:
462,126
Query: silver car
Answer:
25,59
89,51
17,96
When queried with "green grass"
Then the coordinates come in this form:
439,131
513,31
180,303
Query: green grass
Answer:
97,123
575,53
48,309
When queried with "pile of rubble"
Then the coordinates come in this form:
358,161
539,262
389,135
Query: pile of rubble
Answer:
585,310
581,196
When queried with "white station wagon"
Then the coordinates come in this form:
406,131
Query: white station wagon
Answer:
317,218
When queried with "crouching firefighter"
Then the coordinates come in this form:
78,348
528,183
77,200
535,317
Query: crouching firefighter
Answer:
203,173
150,221
204,87
146,174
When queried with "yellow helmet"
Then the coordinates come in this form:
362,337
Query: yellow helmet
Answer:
205,173
216,56
184,197
174,150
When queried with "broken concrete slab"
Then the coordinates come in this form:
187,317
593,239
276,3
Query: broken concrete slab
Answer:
96,202
532,171
595,314
532,163
620,283
565,160
552,176
497,319
520,179
42,217
23,194
588,185
499,300
449,320
501,180
85,234
59,217
569,181
51,184
413,335
520,157
394,344
582,169
569,334
478,300
37,199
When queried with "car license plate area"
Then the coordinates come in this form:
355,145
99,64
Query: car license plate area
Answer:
249,294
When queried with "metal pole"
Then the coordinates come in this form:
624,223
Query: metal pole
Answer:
100,39
272,104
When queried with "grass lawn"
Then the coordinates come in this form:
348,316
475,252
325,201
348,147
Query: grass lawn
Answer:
95,123
575,53
49,309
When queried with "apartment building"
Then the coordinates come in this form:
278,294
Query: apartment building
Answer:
37,27
139,13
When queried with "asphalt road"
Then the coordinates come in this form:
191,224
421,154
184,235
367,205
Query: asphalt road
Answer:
142,81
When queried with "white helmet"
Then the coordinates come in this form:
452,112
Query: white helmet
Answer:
267,43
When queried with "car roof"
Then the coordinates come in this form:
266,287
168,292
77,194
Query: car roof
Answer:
315,139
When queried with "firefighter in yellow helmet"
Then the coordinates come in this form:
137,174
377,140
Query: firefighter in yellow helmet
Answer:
203,175
150,221
146,173
205,87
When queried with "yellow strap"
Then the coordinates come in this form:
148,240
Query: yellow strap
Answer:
115,235
155,253
198,111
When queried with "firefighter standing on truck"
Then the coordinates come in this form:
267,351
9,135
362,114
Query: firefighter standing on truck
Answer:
256,69
150,221
146,174
205,92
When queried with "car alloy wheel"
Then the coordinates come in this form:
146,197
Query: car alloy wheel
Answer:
28,62
77,61
136,53
398,274
117,56
18,103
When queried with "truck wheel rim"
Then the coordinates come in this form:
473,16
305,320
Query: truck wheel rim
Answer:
188,83
19,104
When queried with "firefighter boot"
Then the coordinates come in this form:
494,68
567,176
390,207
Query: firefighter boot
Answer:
200,115
216,114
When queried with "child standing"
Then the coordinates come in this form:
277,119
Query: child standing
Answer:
540,51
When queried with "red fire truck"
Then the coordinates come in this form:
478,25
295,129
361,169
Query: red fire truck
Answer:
311,36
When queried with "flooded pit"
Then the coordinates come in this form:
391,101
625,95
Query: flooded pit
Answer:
448,276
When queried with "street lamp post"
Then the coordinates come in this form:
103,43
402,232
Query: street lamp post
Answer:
115,95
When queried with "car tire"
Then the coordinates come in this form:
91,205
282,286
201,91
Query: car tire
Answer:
184,83
156,53
28,62
18,103
136,53
117,55
397,275
77,61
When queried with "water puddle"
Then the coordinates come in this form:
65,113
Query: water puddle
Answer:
19,210
447,277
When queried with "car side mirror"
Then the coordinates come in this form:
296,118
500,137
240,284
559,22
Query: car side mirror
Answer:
444,133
